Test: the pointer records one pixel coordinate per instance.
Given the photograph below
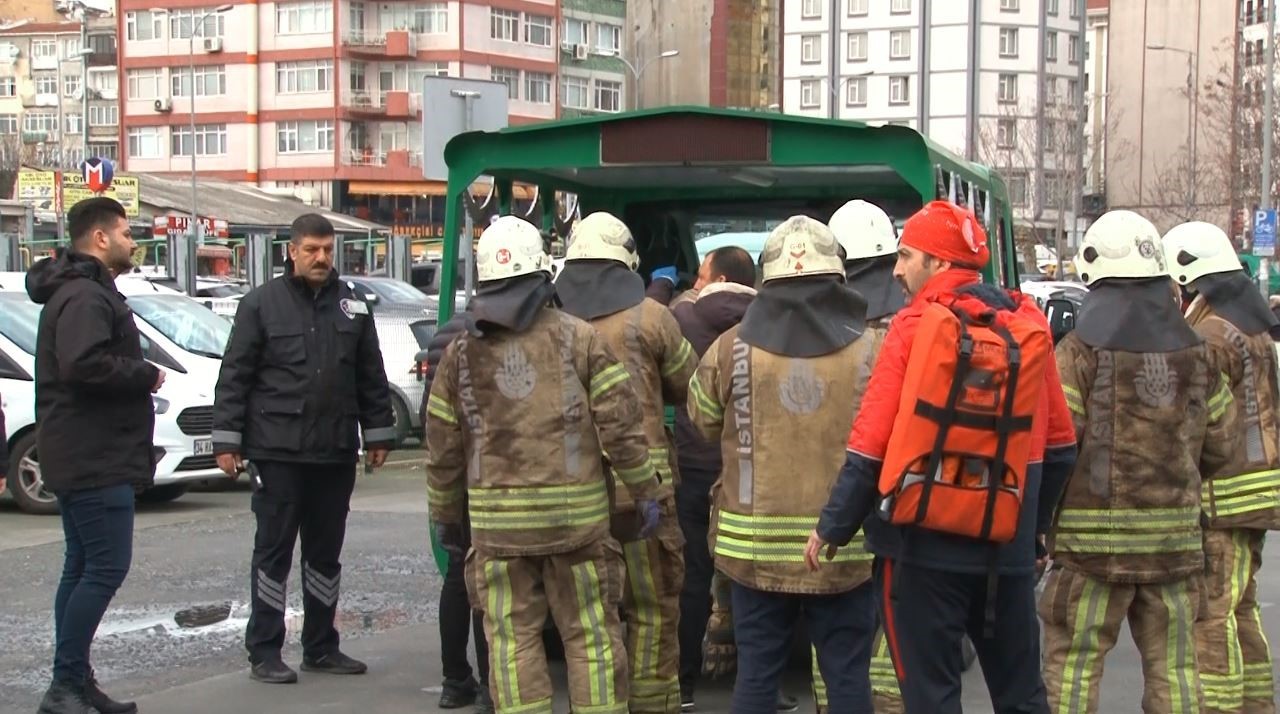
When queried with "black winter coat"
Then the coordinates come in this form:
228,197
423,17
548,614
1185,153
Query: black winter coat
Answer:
302,371
93,388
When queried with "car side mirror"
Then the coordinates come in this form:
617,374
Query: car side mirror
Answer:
1062,317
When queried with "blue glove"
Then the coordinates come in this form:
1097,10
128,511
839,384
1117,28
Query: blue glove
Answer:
649,514
666,273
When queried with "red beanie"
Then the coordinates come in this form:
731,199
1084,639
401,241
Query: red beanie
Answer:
947,231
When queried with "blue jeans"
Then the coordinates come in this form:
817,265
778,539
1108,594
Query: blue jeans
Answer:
840,626
98,525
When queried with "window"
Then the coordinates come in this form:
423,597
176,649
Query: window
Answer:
106,151
74,123
146,84
504,25
146,142
900,6
857,47
71,48
1073,90
1050,46
811,49
104,83
809,96
304,137
575,92
1008,89
575,32
1051,90
900,44
608,96
356,77
899,90
8,123
509,77
1008,5
302,18
40,122
214,25
8,87
537,30
811,9
304,77
210,140
70,85
104,115
1006,133
1073,49
1008,42
1051,6
46,83
44,50
143,25
211,81
1017,185
431,19
1075,7
394,16
608,38
857,8
537,87
856,92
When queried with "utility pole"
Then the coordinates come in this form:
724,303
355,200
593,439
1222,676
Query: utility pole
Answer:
468,239
1268,126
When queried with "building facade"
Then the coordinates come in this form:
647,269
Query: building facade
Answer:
594,77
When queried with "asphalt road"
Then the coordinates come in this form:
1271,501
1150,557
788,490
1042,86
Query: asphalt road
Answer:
196,551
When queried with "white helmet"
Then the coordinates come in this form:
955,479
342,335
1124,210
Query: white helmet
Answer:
864,230
601,236
800,246
1196,249
1120,244
509,247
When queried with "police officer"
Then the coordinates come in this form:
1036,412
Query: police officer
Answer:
301,375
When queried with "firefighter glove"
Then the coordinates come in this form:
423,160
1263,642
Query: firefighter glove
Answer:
450,537
649,515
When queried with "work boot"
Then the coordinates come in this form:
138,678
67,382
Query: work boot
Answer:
484,703
686,701
334,663
458,693
103,703
787,703
65,698
273,671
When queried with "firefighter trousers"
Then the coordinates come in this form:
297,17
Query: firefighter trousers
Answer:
1235,661
1082,617
651,606
292,500
583,591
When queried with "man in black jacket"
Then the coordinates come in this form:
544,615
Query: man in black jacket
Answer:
302,371
93,404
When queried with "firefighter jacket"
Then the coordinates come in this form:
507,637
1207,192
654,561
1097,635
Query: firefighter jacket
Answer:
516,422
781,423
1245,493
1148,425
660,361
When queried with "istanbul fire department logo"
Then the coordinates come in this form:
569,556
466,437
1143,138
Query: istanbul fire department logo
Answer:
516,378
504,256
1157,383
802,391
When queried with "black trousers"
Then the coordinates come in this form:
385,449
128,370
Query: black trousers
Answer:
311,500
458,623
693,509
928,612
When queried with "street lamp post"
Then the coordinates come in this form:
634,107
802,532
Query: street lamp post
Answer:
636,73
1192,101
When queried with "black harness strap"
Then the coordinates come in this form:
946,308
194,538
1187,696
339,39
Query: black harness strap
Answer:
996,478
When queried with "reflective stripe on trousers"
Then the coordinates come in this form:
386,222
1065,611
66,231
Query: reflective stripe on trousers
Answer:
1233,653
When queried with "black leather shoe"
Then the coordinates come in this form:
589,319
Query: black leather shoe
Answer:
273,671
65,698
103,703
458,693
334,663
484,704
787,703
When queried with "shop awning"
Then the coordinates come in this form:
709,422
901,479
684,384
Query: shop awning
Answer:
479,189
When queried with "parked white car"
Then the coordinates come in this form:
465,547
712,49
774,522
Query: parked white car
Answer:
184,405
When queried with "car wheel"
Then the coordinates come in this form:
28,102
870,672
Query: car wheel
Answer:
165,493
25,482
402,424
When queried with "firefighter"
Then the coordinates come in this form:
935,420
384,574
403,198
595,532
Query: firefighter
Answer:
522,406
870,246
1242,501
599,284
794,369
1152,412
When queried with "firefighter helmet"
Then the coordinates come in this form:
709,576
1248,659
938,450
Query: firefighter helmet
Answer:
1120,244
864,230
601,236
1196,249
800,246
510,247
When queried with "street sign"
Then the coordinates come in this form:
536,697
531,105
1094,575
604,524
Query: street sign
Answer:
1264,233
97,174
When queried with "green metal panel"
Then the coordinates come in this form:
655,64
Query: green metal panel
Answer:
593,63
613,8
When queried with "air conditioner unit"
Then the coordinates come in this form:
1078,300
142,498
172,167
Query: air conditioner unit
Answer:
164,104
580,52
213,44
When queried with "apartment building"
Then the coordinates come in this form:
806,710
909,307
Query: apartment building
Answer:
593,69
1095,81
321,96
998,81
43,68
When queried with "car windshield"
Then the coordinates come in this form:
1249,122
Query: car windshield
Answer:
19,319
190,325
396,291
221,291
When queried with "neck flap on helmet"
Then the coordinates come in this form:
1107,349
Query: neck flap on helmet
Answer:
1235,298
804,317
873,279
594,288
512,303
1134,315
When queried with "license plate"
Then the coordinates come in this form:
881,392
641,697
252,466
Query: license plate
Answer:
204,447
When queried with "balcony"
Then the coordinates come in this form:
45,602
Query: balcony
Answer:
376,165
101,59
39,137
375,44
40,100
44,62
97,131
381,105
